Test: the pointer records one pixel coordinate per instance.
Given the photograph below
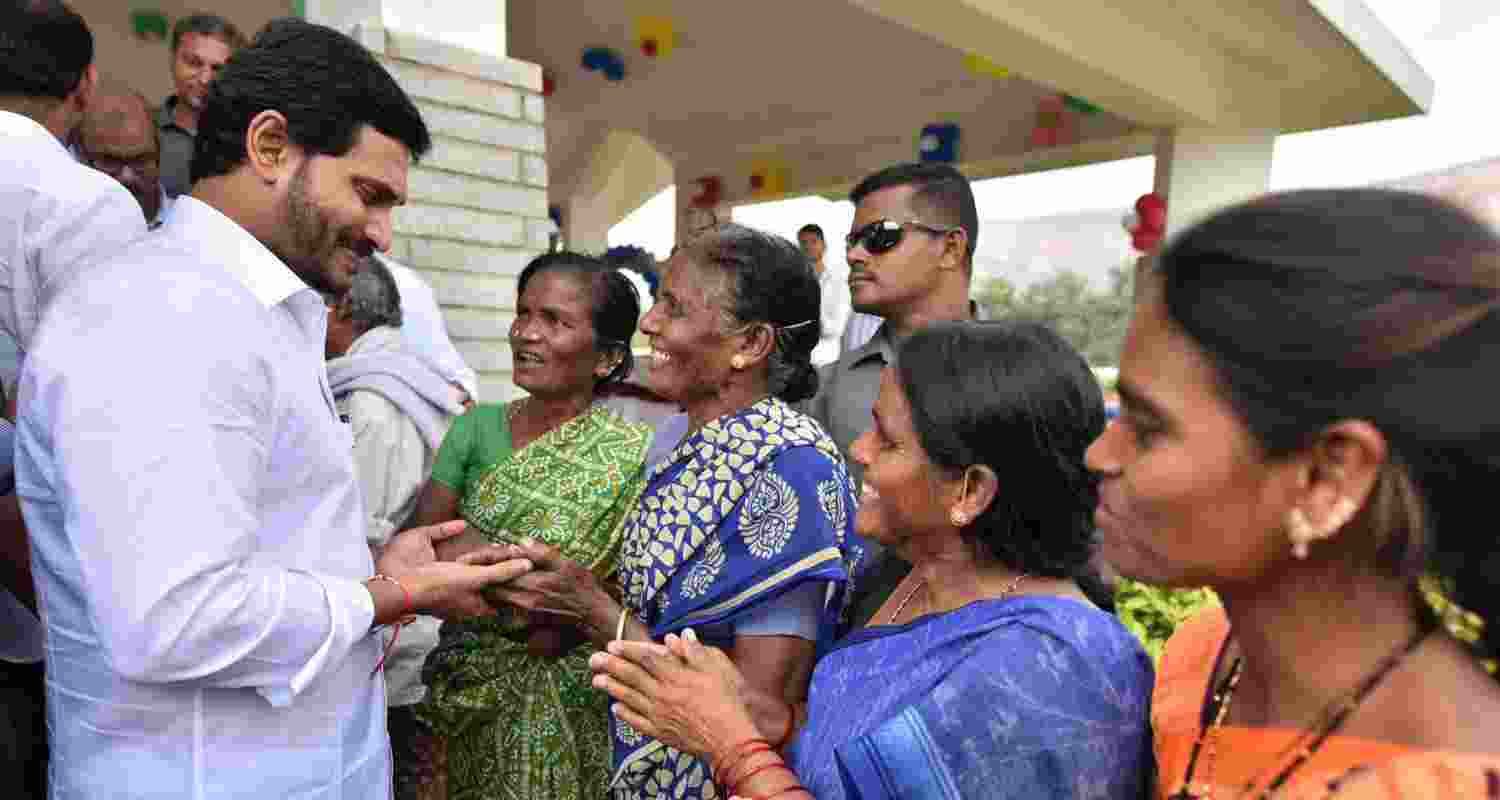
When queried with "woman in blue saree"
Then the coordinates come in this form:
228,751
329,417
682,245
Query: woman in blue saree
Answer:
987,673
743,531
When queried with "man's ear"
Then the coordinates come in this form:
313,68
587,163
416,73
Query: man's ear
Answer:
271,153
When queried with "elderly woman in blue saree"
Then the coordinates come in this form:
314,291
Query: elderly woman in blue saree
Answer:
987,673
743,532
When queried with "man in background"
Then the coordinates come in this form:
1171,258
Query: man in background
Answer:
119,138
201,44
911,255
833,283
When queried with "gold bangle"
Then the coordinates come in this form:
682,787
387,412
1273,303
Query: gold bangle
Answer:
620,629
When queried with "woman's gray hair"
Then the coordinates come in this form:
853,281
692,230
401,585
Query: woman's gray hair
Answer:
767,279
373,299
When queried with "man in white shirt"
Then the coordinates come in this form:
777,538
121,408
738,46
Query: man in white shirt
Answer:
398,408
834,285
198,536
119,139
425,332
56,215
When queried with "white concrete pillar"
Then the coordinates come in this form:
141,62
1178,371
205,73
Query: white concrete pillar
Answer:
476,210
1199,170
624,170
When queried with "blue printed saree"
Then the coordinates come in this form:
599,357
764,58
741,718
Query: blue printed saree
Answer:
748,508
1031,697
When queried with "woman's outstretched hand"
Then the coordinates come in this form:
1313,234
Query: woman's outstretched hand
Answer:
680,692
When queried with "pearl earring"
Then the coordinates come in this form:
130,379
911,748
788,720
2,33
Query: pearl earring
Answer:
738,362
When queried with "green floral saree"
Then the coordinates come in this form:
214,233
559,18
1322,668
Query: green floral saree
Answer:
520,727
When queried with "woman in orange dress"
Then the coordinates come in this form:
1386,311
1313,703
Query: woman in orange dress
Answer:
1307,427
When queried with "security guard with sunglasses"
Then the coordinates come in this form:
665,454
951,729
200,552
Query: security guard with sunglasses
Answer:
911,258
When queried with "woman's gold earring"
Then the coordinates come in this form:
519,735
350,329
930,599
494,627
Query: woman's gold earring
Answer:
738,362
958,519
1300,531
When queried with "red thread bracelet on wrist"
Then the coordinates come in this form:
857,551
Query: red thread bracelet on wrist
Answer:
719,767
406,618
735,776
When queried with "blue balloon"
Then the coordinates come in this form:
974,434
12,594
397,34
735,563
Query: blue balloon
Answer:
939,143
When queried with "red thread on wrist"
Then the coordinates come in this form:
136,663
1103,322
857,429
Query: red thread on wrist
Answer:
725,763
404,619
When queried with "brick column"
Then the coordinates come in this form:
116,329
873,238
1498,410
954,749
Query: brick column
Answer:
477,205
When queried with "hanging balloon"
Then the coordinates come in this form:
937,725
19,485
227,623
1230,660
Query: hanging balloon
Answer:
1054,125
149,25
710,192
606,61
1152,210
938,143
1148,223
1080,105
769,178
980,65
656,36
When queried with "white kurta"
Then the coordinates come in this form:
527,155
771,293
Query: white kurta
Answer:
198,539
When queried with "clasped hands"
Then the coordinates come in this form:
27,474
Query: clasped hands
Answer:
451,589
563,602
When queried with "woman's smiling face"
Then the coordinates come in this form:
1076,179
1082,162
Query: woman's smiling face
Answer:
900,497
691,352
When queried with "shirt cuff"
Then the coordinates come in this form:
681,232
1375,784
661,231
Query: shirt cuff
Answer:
351,617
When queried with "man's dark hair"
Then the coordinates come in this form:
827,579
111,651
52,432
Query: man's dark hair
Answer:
207,25
813,228
326,85
942,195
45,49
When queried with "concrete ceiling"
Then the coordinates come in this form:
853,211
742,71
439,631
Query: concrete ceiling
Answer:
832,89
824,88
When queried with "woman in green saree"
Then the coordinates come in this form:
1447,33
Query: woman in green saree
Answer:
508,697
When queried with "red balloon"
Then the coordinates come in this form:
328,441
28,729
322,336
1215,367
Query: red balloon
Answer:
1154,218
1150,203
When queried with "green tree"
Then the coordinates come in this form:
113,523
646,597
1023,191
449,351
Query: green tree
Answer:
1090,319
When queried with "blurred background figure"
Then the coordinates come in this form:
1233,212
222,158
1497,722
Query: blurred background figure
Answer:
833,287
119,138
201,44
398,408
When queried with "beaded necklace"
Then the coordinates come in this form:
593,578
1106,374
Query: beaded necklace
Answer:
1302,749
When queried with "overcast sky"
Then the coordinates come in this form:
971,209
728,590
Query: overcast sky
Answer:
1456,41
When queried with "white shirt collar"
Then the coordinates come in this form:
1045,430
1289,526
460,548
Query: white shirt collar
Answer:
265,275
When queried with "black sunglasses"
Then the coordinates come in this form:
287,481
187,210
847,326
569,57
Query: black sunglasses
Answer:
883,235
